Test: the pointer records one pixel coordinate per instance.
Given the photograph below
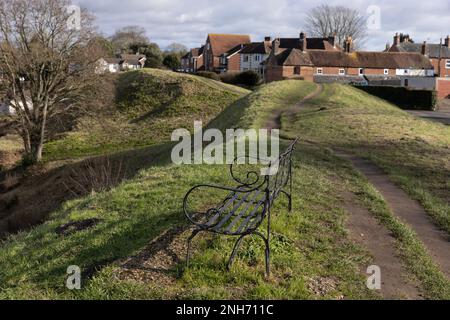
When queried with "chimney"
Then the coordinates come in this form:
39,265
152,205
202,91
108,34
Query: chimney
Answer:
348,45
424,48
303,41
396,39
332,39
275,46
447,41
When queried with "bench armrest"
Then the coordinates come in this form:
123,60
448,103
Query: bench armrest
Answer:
253,177
192,216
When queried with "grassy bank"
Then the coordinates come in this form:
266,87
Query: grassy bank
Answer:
135,246
414,152
146,107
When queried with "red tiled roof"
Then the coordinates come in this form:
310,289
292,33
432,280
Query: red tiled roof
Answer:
221,43
361,59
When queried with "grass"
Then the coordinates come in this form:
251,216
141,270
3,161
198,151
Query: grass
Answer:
150,104
254,110
414,152
313,257
309,245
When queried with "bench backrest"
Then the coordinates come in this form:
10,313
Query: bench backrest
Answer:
282,177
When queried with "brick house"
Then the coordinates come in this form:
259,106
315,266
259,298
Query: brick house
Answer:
345,65
439,54
218,44
253,56
193,60
230,61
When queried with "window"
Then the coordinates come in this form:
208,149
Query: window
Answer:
447,64
361,71
257,57
386,71
406,82
405,71
245,58
342,72
297,70
319,71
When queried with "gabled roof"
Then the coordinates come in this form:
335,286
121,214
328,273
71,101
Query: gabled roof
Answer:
112,60
221,43
197,52
362,59
126,56
257,48
432,50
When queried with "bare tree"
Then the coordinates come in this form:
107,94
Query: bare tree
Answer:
325,20
45,62
127,37
177,48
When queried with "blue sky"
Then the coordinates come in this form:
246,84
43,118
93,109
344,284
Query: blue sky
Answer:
189,21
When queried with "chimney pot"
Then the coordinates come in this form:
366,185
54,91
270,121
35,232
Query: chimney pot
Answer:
396,39
424,48
303,41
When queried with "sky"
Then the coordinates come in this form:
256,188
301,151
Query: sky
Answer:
189,21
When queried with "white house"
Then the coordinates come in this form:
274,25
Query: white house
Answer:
254,54
124,63
6,109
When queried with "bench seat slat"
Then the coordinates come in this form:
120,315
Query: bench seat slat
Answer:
233,212
251,214
221,209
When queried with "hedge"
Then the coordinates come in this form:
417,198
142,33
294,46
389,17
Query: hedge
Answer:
403,97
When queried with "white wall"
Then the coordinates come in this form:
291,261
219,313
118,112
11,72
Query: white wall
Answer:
415,72
253,63
6,109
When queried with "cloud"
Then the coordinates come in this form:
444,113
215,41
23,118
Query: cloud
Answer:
189,21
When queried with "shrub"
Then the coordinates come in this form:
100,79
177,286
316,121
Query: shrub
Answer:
403,97
209,75
229,77
172,61
248,78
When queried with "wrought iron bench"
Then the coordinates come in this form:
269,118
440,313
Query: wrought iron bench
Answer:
245,207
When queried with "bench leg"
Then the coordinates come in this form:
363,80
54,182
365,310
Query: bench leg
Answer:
267,253
188,254
289,196
235,250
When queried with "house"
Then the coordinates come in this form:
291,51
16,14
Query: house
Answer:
111,65
218,44
193,60
132,61
124,62
185,62
230,61
6,108
330,65
439,54
253,56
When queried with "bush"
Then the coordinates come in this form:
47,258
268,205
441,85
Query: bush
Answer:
229,77
172,61
403,97
248,78
209,75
